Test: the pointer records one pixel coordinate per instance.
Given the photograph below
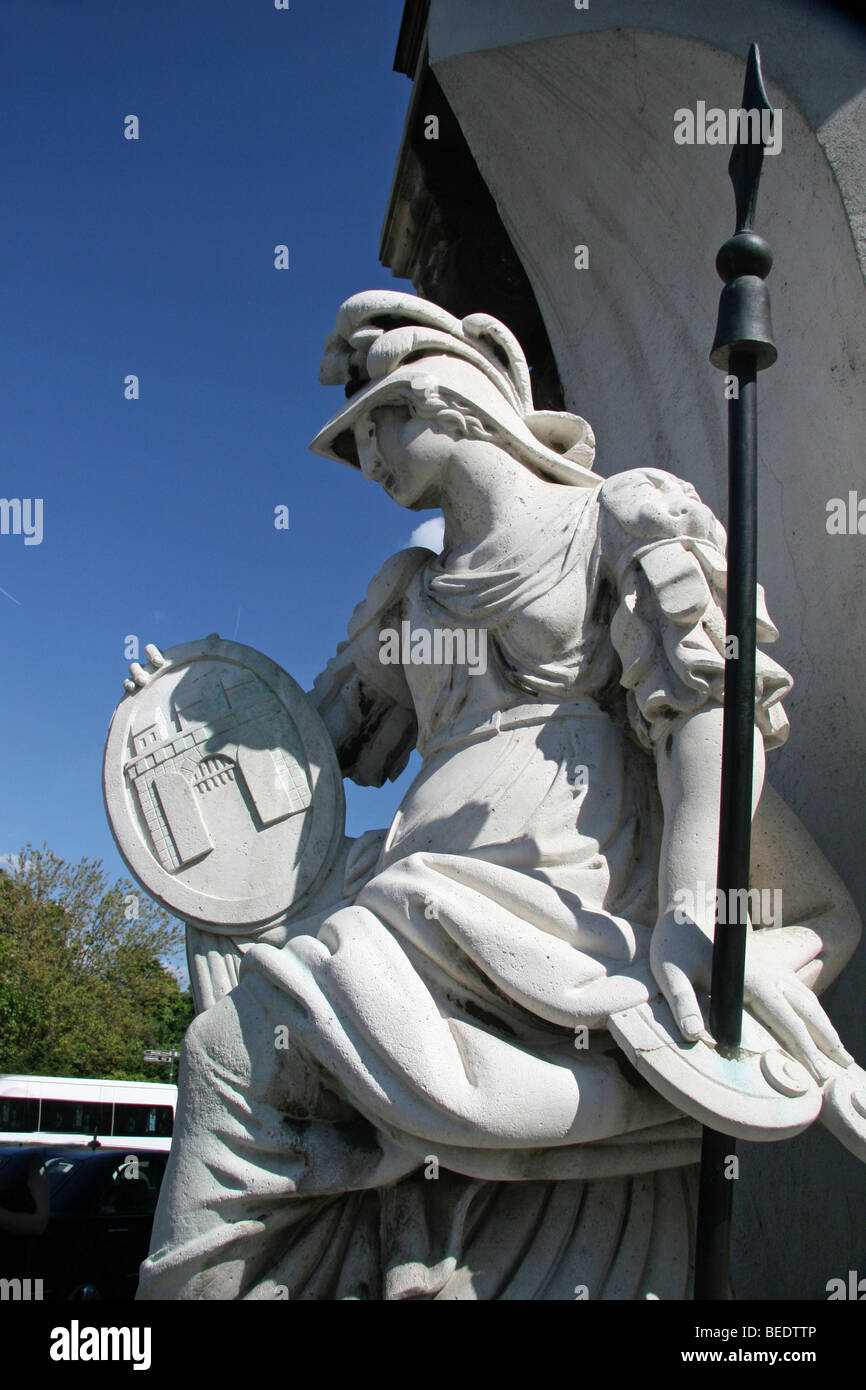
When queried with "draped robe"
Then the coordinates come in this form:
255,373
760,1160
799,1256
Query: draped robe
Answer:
442,1123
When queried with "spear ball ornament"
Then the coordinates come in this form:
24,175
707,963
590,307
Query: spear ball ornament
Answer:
743,346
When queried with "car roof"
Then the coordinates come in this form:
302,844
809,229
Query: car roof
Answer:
80,1151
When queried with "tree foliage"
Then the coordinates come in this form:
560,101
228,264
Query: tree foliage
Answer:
84,987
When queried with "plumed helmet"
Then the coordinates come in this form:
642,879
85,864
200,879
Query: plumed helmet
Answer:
387,343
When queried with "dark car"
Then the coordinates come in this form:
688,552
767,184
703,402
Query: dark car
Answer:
99,1219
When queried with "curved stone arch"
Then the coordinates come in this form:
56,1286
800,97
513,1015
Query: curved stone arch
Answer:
593,94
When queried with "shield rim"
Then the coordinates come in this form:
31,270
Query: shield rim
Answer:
327,806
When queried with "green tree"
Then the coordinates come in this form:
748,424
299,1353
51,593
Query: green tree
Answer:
84,984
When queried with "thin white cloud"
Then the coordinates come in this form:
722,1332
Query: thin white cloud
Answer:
430,533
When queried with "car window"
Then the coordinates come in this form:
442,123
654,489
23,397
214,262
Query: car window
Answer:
58,1171
133,1186
12,1172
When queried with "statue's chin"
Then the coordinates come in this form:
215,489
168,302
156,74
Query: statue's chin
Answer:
427,502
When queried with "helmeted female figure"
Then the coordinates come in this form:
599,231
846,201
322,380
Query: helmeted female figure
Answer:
452,1117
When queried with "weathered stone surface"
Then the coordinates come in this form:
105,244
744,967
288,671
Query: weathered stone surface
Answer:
221,786
592,93
497,1014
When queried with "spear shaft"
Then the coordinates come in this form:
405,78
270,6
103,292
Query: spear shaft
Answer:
743,346
735,818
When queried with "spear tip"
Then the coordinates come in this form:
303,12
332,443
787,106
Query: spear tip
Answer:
747,156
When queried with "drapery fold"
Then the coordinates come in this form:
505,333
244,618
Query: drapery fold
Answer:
436,1016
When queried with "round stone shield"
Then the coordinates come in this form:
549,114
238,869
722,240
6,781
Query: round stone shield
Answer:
222,786
763,1094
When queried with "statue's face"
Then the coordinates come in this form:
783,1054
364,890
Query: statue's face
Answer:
405,455
668,505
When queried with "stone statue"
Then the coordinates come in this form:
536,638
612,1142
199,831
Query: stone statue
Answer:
467,1058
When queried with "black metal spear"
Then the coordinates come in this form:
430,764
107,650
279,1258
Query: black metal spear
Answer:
743,346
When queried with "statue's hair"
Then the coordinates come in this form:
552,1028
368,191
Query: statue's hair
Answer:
426,400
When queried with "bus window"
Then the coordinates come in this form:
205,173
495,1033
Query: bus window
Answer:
75,1117
144,1121
18,1116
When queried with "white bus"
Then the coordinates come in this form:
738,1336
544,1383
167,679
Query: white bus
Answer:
67,1110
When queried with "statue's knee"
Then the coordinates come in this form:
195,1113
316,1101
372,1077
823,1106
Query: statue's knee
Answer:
410,869
386,894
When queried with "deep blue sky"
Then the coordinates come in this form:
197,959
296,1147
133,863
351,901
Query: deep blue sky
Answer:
155,257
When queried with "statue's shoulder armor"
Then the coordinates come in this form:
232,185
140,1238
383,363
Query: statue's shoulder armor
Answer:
652,504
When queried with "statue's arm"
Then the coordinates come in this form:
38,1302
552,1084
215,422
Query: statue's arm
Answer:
366,704
820,925
664,553
781,962
688,765
819,914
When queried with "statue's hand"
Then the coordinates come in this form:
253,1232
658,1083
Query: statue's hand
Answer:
681,959
776,995
138,677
